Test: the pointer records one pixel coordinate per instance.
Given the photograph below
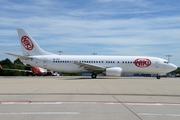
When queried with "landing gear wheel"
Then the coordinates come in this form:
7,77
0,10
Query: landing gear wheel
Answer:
93,75
158,77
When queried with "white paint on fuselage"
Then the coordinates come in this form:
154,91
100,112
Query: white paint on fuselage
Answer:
158,66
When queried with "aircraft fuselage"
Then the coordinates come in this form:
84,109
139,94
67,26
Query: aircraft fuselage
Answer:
129,64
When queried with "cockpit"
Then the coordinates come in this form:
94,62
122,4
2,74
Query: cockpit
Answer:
166,62
169,66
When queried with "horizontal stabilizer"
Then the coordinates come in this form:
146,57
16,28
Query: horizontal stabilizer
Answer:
19,56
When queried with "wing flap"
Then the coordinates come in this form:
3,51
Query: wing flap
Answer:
90,67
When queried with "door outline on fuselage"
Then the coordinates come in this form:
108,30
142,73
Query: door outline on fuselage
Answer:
45,62
164,67
157,64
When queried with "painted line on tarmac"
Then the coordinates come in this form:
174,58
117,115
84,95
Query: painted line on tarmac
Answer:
154,114
151,104
119,94
39,113
92,102
46,103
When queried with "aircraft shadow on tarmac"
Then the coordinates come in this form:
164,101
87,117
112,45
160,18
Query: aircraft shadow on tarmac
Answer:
100,78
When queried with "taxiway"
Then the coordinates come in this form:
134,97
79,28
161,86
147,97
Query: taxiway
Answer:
107,98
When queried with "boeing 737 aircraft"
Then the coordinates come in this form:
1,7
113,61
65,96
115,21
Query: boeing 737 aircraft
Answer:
108,65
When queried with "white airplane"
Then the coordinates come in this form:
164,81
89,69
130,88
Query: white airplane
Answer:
33,71
108,65
38,71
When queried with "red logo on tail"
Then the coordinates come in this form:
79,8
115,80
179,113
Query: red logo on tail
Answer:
27,43
142,62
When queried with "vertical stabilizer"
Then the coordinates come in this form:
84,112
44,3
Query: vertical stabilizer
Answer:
28,44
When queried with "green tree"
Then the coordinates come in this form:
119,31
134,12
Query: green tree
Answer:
177,70
18,64
7,64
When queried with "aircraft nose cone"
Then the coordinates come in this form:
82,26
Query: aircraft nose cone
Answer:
174,67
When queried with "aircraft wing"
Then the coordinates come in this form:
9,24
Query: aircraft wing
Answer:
19,56
16,70
90,67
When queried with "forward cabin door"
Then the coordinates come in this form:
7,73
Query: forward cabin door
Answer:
157,64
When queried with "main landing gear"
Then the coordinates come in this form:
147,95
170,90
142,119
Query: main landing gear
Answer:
93,75
158,77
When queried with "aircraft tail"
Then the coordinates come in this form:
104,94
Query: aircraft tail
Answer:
28,44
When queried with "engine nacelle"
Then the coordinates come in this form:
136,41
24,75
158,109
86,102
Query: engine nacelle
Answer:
113,71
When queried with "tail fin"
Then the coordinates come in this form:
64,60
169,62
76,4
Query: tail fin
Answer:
28,44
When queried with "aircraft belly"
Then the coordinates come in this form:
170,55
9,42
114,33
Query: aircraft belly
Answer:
65,68
134,69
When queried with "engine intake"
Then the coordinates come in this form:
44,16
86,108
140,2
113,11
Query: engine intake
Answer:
113,71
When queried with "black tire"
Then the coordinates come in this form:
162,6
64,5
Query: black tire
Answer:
93,75
158,77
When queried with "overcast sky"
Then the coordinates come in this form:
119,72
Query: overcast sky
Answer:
106,27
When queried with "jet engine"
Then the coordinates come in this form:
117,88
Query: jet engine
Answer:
113,71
